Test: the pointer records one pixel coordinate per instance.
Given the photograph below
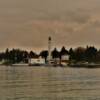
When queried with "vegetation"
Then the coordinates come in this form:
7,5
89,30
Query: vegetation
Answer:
88,54
44,54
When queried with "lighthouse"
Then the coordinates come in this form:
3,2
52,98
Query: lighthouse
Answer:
49,49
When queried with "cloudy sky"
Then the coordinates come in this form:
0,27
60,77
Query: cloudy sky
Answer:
28,23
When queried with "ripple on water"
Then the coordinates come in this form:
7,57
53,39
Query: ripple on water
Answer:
43,83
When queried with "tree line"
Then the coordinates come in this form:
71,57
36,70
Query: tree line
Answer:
89,54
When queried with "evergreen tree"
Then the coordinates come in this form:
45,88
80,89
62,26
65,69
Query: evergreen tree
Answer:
44,54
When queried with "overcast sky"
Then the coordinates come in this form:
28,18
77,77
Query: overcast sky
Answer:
28,23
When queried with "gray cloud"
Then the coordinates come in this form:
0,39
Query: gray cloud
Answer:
28,23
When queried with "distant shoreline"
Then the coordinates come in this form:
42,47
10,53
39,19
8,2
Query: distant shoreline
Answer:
90,66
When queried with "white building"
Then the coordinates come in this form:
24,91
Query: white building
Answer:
65,57
36,61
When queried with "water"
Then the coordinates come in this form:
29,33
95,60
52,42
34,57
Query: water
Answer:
45,83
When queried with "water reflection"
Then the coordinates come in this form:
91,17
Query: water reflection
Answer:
43,83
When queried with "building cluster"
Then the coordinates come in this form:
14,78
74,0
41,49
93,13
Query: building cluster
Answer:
78,56
50,57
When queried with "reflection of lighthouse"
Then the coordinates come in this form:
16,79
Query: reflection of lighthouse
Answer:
49,49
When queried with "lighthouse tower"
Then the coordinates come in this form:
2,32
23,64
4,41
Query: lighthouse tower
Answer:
49,49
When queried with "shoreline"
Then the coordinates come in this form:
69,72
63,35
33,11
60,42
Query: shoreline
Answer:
73,65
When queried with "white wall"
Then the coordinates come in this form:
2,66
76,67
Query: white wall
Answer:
37,61
65,57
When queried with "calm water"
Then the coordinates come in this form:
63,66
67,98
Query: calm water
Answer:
42,83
